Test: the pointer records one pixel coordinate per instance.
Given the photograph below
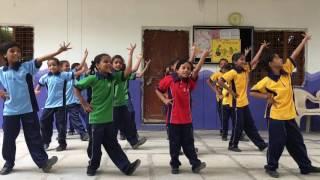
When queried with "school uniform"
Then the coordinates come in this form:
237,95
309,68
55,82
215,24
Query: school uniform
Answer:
21,108
239,78
74,109
282,127
179,118
55,106
103,131
227,112
215,77
122,116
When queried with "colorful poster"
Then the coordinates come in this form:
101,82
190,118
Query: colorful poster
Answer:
224,48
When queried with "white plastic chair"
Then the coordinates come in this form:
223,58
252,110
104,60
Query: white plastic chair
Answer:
301,96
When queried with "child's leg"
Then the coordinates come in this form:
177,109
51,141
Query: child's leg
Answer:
71,128
187,142
61,122
113,148
11,129
251,129
31,129
46,125
220,115
277,141
226,114
85,117
123,122
295,145
237,128
74,118
94,153
174,144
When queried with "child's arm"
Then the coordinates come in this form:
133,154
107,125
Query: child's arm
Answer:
128,69
229,88
63,47
213,87
83,69
136,66
192,53
298,50
163,98
247,51
267,96
37,90
254,62
139,75
200,63
85,105
83,61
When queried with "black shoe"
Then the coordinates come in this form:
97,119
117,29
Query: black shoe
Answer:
132,167
273,173
175,171
53,160
122,137
312,169
224,138
61,148
71,133
235,149
5,170
139,143
199,167
91,172
263,147
46,146
84,137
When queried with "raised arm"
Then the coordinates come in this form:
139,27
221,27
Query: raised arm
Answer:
139,75
298,50
247,51
200,63
192,53
63,47
128,69
83,69
83,61
254,62
136,66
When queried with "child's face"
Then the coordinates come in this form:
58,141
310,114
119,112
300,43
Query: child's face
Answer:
117,64
105,65
53,66
241,61
65,67
13,55
184,70
276,62
222,63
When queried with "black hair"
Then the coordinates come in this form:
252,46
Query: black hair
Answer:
122,61
4,48
180,62
63,61
223,59
227,67
266,58
74,65
96,61
236,56
55,60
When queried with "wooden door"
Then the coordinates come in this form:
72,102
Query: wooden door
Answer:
162,47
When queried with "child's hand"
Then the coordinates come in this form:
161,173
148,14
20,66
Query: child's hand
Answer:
247,50
148,63
87,107
206,53
265,44
37,92
234,95
85,53
131,48
64,47
220,96
270,99
307,37
193,48
3,94
168,101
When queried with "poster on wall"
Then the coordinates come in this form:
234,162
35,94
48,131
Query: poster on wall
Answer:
224,41
224,49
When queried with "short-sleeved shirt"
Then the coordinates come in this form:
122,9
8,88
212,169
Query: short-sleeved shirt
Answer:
280,86
19,86
56,85
180,90
215,77
122,91
102,96
238,79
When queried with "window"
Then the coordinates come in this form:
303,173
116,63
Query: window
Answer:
283,43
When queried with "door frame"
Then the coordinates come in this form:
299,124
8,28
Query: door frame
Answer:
164,28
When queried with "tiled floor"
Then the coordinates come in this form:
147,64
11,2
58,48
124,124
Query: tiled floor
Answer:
221,164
